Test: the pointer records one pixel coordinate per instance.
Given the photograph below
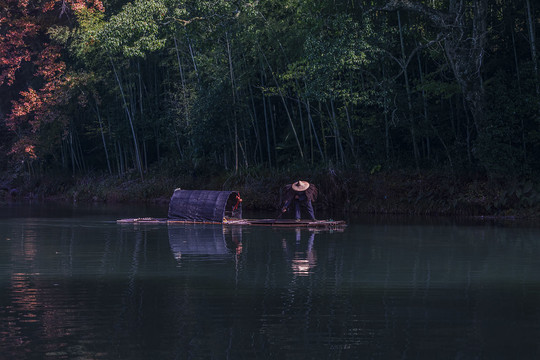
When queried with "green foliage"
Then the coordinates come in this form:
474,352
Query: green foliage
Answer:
209,86
501,146
136,29
439,90
333,59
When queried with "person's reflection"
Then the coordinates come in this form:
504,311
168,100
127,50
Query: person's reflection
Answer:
233,239
302,257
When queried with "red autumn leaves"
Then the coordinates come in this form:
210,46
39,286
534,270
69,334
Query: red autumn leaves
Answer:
33,66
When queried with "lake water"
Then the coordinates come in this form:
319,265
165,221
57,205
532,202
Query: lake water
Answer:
76,285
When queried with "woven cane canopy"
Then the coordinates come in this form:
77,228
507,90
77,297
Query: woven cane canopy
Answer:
204,205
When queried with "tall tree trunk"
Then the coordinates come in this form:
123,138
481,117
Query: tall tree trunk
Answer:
266,121
469,128
128,114
464,38
120,159
191,52
323,132
284,105
156,124
409,97
233,88
103,139
386,118
272,109
183,81
516,61
532,42
518,78
424,104
350,133
310,118
255,122
338,148
71,152
301,122
141,110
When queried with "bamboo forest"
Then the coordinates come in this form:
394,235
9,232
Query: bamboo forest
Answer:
432,103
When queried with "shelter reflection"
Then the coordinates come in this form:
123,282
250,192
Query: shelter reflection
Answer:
211,240
301,255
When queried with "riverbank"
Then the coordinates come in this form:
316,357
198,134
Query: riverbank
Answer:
342,191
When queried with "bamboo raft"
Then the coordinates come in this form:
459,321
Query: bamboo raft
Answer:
322,224
221,207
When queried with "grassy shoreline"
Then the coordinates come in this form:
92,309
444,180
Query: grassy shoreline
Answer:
349,192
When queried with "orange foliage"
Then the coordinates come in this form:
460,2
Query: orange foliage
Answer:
21,28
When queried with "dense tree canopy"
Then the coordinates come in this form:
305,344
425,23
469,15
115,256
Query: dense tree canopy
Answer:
138,86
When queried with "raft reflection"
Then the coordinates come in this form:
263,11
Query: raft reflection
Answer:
197,239
216,241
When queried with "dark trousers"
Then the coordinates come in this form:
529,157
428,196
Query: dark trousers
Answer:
305,204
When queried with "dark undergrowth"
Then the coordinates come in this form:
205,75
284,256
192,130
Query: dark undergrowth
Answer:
344,191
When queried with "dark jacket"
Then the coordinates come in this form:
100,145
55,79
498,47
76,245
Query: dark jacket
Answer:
311,194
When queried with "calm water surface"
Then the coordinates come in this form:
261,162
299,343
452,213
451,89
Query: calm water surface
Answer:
76,285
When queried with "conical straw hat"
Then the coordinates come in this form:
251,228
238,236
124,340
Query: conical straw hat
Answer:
300,185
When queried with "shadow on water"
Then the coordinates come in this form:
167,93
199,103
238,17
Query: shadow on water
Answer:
86,287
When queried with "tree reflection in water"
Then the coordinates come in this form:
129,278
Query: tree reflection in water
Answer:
103,291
